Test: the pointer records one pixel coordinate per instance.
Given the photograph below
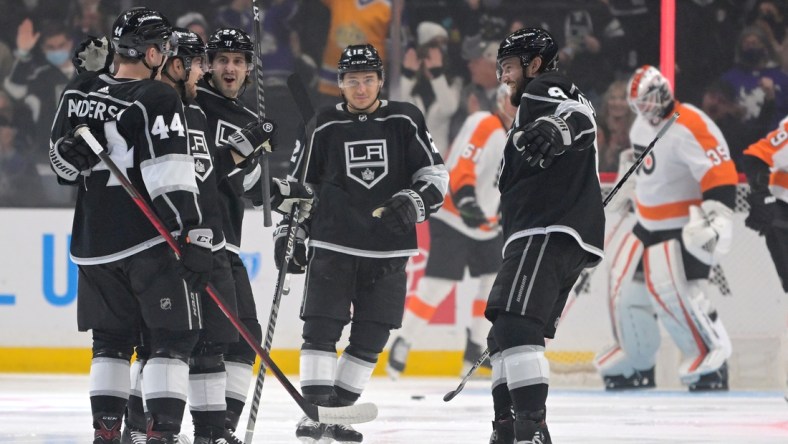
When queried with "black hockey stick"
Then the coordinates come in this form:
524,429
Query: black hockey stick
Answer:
450,395
332,415
265,178
301,99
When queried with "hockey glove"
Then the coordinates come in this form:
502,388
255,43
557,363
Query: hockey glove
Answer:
709,231
297,264
762,209
470,211
289,192
543,139
93,54
196,256
402,211
250,141
71,155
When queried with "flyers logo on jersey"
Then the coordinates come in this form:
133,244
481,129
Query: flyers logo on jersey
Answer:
647,167
366,161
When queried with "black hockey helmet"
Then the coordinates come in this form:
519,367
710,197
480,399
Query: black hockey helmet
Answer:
359,58
190,45
138,28
528,43
230,40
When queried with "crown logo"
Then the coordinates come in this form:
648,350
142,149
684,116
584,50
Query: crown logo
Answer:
199,166
368,175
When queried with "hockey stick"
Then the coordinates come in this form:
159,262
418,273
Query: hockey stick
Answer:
332,415
265,178
301,99
450,395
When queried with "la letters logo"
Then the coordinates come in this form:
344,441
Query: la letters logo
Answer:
366,161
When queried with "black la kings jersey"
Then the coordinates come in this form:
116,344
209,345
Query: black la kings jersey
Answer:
144,129
226,116
566,196
357,162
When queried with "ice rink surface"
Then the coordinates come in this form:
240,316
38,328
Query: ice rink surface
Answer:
53,409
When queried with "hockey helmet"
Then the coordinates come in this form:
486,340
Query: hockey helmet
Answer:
649,93
137,29
528,43
230,40
190,45
359,58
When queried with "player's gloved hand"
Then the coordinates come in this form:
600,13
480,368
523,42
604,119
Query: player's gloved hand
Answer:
543,139
250,141
297,264
762,209
709,231
196,256
70,155
93,54
402,211
289,192
470,211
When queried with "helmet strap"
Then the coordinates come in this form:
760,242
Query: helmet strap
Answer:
180,84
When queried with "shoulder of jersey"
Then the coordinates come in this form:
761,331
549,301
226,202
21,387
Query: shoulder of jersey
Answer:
541,84
407,108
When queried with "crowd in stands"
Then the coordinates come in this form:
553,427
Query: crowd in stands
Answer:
731,61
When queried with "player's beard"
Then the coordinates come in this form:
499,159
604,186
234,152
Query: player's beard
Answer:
517,92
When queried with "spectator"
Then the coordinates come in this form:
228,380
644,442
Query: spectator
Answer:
194,22
19,181
720,103
479,94
769,15
638,22
238,14
424,82
615,118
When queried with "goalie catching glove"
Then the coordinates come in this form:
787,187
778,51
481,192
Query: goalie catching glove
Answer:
196,256
543,139
709,231
250,141
71,155
286,193
470,211
402,211
93,54
297,264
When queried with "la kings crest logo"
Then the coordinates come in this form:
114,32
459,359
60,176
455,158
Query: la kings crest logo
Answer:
223,131
366,161
198,146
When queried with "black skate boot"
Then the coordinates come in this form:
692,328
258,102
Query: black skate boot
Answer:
133,436
712,382
206,440
398,356
503,431
530,428
309,431
106,429
341,433
155,437
641,379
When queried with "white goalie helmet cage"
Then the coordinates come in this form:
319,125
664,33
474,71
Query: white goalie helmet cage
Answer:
649,93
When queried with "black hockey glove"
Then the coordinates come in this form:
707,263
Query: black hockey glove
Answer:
250,141
470,211
297,264
763,206
543,139
71,155
402,211
93,54
196,256
285,193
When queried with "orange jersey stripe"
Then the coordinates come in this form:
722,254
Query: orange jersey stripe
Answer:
780,179
723,172
479,306
420,308
765,148
667,211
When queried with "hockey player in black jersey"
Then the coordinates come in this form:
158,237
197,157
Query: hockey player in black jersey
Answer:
377,174
128,275
553,227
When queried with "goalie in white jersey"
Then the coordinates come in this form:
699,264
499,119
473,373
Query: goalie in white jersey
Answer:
684,195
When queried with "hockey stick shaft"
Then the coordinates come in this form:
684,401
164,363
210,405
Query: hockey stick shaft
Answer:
339,415
585,276
300,96
265,178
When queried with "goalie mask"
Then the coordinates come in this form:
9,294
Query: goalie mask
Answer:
649,93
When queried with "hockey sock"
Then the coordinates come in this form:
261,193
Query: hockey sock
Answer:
318,367
109,391
207,384
135,413
502,401
527,375
166,383
354,369
239,376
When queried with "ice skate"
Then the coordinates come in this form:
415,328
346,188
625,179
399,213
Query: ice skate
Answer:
205,440
710,382
643,379
108,431
341,433
309,431
133,436
503,431
532,429
163,438
398,355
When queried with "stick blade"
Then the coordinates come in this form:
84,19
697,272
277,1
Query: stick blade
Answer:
449,396
352,414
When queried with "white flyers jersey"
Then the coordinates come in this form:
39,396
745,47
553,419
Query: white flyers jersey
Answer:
474,160
691,158
773,150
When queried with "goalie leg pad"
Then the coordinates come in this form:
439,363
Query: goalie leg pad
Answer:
685,312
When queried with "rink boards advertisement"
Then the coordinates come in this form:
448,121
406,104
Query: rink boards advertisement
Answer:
38,291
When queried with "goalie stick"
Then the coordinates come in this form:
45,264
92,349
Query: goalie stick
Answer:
450,395
332,415
301,98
